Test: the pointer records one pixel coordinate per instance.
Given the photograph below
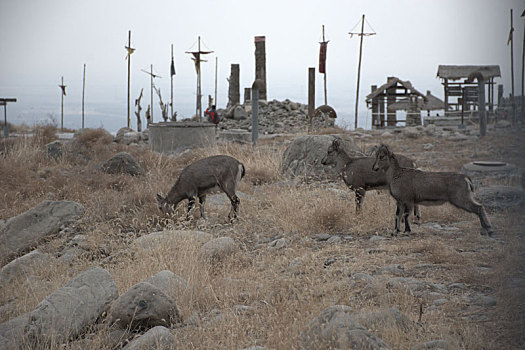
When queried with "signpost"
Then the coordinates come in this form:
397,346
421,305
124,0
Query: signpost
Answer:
3,102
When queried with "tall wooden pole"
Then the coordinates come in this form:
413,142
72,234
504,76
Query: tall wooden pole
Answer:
171,75
62,107
216,65
83,94
325,98
522,77
512,68
151,91
129,70
311,97
359,69
199,98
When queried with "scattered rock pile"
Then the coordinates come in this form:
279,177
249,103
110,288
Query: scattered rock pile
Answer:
275,117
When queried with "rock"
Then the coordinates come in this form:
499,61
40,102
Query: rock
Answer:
416,285
66,312
303,156
412,132
394,269
23,266
122,163
277,244
500,197
503,124
239,113
144,306
120,134
296,266
169,283
432,345
256,347
336,328
171,237
428,146
361,277
54,149
26,230
484,300
12,331
131,137
322,237
158,337
383,318
376,238
335,239
217,249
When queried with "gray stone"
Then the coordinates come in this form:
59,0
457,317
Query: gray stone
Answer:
23,266
131,137
439,302
54,149
217,249
239,113
484,300
277,244
335,239
336,328
433,345
144,306
376,238
296,266
383,318
361,277
170,237
169,283
394,269
66,312
303,156
322,237
503,124
121,132
26,230
500,197
158,337
416,286
122,163
12,331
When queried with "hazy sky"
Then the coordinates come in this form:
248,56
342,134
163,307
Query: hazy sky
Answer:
44,40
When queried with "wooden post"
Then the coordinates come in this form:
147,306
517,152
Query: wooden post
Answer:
83,94
129,69
359,69
311,97
216,65
522,77
255,112
247,95
375,109
260,64
325,96
151,92
6,130
512,68
199,96
481,102
63,88
171,78
391,117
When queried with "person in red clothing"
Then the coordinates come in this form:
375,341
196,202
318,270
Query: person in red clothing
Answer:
213,116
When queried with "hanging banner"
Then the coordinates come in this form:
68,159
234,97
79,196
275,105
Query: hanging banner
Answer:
322,57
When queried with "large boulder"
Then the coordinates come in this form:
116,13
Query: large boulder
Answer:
217,249
23,266
26,230
168,282
144,306
337,328
122,163
303,156
66,312
119,137
501,197
171,237
12,331
158,337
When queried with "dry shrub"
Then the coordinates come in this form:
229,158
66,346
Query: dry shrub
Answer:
44,134
91,137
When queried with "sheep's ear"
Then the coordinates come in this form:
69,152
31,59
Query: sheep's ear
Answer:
337,144
159,198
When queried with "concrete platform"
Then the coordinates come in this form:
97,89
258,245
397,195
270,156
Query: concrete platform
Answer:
173,137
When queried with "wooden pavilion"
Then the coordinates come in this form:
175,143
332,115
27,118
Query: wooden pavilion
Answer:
460,93
383,98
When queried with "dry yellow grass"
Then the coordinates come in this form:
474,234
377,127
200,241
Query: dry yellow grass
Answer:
282,300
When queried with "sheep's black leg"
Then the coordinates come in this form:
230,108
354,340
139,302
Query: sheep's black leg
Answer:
399,213
417,215
359,199
202,201
406,214
191,204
